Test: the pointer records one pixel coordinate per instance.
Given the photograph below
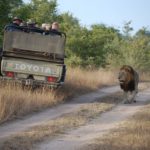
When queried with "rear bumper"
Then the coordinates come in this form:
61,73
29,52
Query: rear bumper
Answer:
30,82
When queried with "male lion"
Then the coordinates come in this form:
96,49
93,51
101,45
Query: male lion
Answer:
128,79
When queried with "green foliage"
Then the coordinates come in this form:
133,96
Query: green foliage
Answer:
127,28
6,7
68,23
89,45
24,12
143,32
74,61
97,46
134,52
42,11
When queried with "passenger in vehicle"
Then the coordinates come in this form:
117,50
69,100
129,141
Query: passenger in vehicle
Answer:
32,27
24,27
23,24
46,28
31,23
54,30
43,26
14,26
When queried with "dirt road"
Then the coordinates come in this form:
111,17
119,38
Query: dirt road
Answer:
75,139
27,122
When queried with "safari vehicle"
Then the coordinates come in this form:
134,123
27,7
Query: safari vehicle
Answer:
33,58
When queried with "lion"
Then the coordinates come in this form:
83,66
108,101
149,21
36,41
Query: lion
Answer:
128,79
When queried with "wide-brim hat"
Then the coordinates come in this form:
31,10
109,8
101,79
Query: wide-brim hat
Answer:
16,18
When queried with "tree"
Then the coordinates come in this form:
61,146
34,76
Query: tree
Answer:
24,11
127,29
134,52
143,32
88,45
44,10
68,22
6,7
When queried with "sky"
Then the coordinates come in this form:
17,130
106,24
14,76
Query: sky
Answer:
109,12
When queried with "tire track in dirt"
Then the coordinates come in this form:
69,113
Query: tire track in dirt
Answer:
75,139
19,125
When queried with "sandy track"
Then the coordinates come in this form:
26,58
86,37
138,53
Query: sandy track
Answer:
75,139
16,126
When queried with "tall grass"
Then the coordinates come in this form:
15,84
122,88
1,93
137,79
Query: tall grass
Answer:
86,112
16,102
144,76
89,79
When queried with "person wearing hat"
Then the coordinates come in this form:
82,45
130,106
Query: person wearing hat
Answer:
55,29
32,26
31,23
14,26
17,21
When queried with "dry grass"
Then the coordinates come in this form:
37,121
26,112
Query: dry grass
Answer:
26,140
16,102
144,76
91,79
132,135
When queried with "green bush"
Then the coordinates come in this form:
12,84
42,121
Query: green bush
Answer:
134,52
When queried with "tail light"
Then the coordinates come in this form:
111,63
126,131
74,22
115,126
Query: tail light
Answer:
9,74
51,79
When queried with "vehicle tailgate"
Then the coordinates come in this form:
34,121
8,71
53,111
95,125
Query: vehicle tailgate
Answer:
33,67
